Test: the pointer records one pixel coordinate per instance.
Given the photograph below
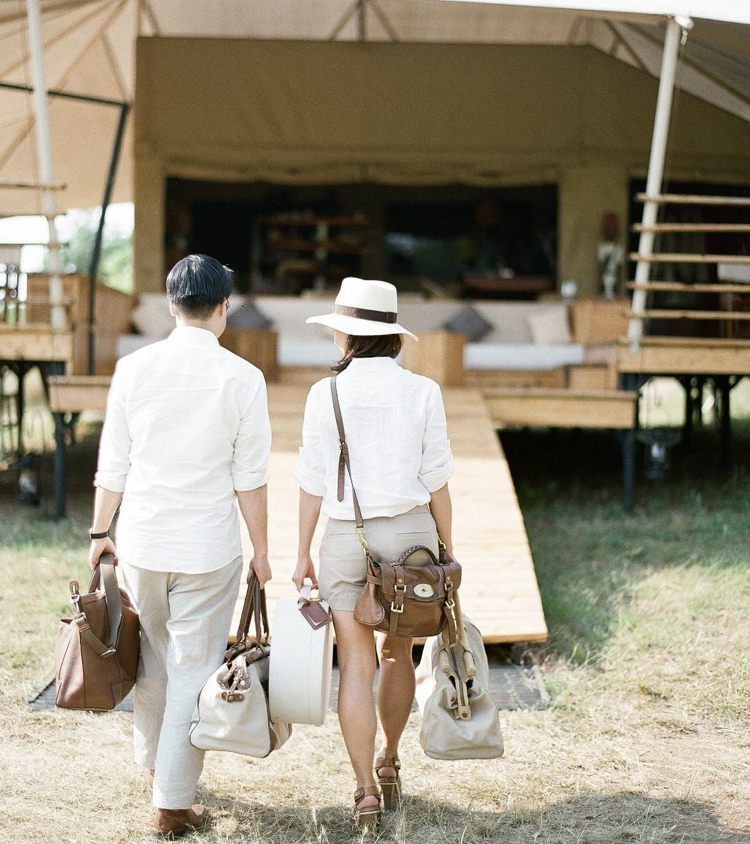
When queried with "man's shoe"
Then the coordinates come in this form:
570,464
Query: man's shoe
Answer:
169,824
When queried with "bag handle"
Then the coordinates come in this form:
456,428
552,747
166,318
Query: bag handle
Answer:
104,577
345,466
254,605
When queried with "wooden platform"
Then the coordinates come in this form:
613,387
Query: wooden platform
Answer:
563,408
685,356
499,590
36,343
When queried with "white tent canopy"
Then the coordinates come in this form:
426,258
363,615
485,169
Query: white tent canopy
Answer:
89,50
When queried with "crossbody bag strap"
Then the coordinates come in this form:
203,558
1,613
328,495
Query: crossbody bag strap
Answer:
344,464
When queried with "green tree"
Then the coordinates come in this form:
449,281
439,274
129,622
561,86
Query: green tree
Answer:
116,260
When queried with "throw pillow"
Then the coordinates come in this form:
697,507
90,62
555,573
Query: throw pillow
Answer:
469,322
247,315
550,327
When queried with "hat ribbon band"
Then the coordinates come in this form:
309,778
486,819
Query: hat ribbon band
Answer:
365,313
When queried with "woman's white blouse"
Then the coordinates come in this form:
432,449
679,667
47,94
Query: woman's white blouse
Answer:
398,443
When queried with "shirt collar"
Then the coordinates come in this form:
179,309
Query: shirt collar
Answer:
382,363
192,334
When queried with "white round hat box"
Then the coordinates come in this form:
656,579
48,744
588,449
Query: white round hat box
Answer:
299,682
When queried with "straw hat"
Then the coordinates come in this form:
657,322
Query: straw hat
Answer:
365,308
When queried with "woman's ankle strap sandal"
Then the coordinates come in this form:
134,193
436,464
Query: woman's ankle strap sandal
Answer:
390,786
366,816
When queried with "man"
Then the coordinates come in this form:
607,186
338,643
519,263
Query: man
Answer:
186,437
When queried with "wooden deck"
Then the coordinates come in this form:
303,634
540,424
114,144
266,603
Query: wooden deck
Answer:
36,343
685,356
499,590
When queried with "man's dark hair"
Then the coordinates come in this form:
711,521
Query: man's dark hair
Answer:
378,346
196,285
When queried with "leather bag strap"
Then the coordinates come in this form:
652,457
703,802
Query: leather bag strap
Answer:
253,607
104,577
344,464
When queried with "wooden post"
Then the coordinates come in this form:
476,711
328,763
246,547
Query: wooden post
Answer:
255,345
438,355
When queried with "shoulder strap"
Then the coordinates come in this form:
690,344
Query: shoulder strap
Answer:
344,465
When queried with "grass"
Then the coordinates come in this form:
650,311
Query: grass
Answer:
648,666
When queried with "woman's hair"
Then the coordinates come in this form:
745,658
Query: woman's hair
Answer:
197,284
378,346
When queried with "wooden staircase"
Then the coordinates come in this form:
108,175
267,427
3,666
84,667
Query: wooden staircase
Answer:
641,310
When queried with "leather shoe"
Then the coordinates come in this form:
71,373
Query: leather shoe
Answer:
169,824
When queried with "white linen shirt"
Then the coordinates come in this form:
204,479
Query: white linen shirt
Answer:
186,425
395,428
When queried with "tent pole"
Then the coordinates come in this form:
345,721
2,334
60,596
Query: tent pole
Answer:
58,317
669,58
97,251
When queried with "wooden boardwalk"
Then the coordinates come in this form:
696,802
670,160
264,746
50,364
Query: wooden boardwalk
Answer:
499,590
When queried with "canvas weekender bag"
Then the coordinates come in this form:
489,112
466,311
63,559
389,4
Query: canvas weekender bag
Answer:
407,597
301,660
232,709
96,656
460,719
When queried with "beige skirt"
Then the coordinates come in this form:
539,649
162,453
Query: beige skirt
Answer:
343,568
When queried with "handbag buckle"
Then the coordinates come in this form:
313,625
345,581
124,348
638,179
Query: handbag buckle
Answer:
397,610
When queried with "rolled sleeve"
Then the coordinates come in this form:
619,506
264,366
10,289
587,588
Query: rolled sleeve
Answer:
253,444
114,446
437,460
310,474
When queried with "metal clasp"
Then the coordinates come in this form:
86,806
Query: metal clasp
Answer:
396,609
362,541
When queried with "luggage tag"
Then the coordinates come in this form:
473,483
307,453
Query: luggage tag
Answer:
313,611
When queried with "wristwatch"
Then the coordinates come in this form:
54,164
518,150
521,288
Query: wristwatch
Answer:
102,535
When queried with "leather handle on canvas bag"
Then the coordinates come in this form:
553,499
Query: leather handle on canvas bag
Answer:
104,577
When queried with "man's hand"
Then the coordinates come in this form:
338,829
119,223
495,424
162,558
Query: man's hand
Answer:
99,547
305,568
262,569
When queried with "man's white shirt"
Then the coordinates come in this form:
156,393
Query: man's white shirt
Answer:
186,426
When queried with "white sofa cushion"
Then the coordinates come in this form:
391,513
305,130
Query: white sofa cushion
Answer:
521,355
550,327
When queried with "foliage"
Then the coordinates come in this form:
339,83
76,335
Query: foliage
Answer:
116,261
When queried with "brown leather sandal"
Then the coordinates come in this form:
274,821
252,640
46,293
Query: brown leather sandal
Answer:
367,817
390,786
169,824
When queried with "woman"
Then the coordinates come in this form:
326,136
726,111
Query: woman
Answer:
400,461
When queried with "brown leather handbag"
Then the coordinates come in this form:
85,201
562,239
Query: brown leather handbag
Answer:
96,657
407,597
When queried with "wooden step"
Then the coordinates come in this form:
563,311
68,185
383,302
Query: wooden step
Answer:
692,227
679,287
665,314
15,185
687,258
562,408
694,199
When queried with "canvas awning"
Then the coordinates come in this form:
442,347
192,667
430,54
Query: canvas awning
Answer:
90,50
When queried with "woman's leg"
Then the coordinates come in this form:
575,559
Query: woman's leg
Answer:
395,693
355,650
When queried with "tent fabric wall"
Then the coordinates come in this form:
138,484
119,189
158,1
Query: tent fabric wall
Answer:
394,113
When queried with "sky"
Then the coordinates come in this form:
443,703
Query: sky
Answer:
34,230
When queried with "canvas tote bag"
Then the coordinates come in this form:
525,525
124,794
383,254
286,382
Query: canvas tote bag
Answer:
232,709
96,656
460,719
301,659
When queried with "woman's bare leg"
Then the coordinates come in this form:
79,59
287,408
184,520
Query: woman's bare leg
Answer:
395,693
355,648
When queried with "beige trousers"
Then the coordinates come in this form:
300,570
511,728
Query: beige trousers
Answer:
185,621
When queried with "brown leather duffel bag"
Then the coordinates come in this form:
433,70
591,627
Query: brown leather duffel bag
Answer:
96,657
410,597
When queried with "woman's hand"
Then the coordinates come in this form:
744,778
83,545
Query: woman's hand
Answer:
99,547
259,566
305,568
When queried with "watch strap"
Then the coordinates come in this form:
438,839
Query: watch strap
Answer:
101,535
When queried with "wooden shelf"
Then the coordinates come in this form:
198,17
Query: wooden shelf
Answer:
694,199
692,227
687,258
311,220
665,314
679,287
314,246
